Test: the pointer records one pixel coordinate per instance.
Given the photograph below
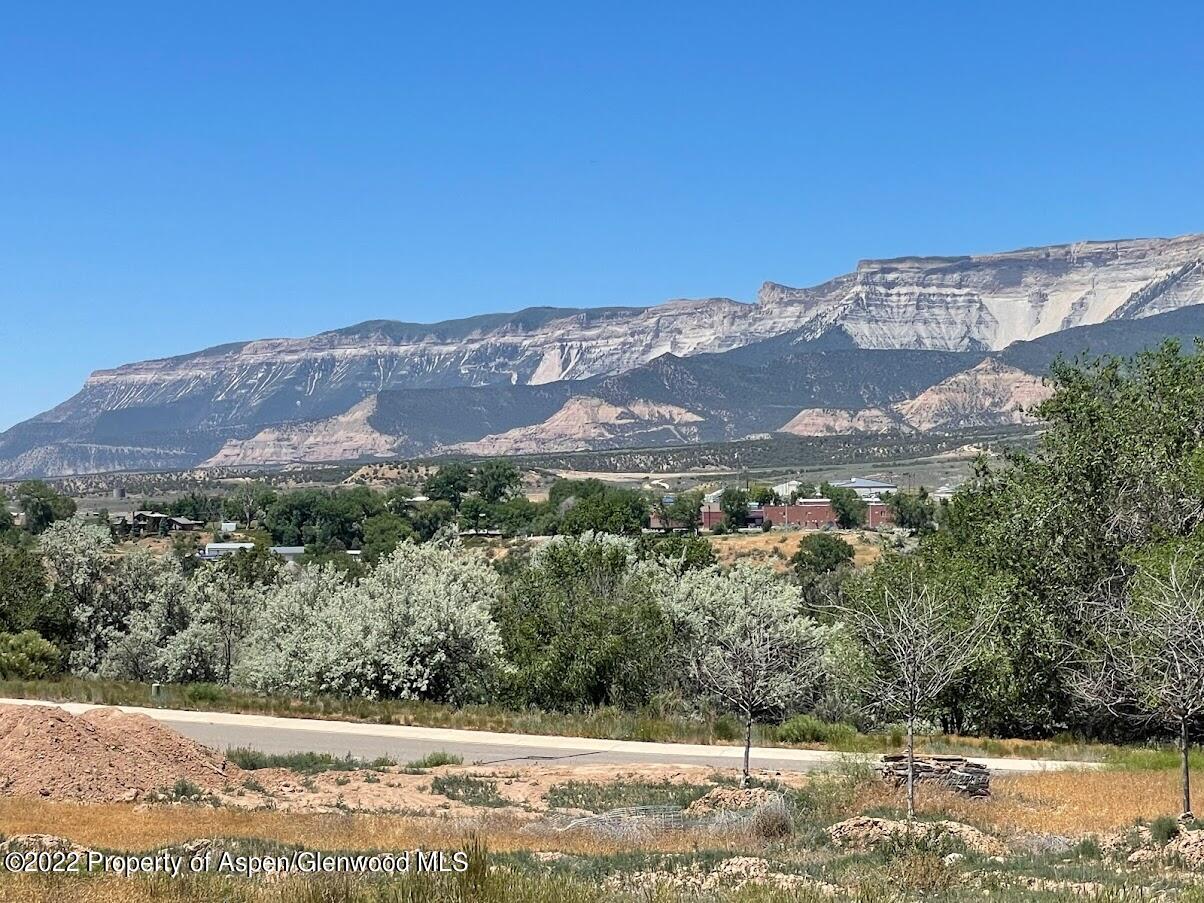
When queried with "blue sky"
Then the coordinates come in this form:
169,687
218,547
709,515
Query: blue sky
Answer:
175,176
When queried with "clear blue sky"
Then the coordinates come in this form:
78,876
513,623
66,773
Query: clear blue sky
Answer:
179,175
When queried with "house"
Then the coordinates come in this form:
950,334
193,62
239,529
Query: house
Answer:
288,553
183,523
228,526
220,549
865,487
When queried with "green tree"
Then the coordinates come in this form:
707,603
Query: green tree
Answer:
849,507
764,495
24,602
733,503
913,511
449,483
27,656
496,480
42,506
820,553
383,533
580,626
617,511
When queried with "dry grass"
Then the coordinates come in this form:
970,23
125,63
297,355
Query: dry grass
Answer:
125,827
1072,803
776,547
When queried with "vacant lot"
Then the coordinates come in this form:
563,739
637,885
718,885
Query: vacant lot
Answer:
566,832
776,546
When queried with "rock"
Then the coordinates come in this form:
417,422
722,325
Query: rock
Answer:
866,833
1187,848
726,799
951,772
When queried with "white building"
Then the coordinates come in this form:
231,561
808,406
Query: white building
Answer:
866,488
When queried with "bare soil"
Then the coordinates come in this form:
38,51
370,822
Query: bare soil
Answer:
102,756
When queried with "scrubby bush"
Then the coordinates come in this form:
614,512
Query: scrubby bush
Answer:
581,627
27,656
416,627
809,729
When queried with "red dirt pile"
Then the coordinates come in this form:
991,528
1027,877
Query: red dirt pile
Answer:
104,755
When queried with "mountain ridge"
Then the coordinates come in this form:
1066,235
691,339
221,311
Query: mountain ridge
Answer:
862,341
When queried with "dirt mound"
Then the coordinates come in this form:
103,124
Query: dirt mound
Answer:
103,755
727,799
865,833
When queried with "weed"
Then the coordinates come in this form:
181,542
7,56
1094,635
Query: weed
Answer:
301,762
604,797
434,760
468,790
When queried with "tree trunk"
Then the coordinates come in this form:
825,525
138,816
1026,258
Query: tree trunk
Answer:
748,720
911,767
1185,750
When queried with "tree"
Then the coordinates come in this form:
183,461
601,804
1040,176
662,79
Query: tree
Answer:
1144,656
42,506
475,514
580,626
248,502
24,604
449,483
803,491
496,480
615,511
27,656
677,512
744,641
764,495
220,612
684,551
913,511
733,503
286,650
850,508
383,533
77,560
820,563
911,638
416,627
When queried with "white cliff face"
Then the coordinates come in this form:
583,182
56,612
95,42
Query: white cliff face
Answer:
988,394
991,300
951,304
297,398
586,422
343,438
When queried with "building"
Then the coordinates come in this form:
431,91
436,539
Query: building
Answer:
216,550
878,514
288,553
808,514
789,488
866,488
150,523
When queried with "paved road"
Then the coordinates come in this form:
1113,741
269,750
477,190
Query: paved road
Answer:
403,744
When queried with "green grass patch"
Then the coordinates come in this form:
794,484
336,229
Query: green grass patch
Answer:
434,760
468,790
302,762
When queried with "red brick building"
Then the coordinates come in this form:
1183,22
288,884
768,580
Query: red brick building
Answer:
806,514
